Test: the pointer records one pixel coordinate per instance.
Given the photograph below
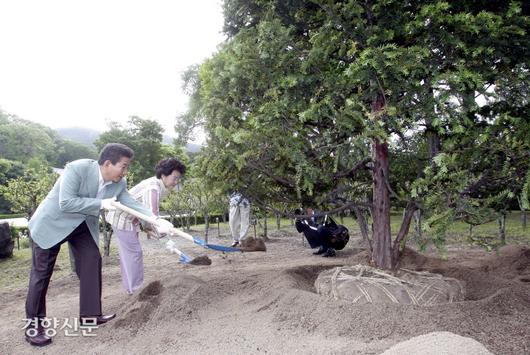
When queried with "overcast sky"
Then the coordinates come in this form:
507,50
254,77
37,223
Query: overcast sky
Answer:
67,63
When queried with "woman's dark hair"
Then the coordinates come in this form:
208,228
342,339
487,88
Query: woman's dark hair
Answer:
166,167
114,152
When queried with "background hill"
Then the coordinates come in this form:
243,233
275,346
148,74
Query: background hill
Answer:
87,136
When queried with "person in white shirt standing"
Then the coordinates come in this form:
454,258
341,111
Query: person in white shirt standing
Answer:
126,227
239,217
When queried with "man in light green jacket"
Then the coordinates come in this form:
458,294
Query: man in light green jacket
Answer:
70,213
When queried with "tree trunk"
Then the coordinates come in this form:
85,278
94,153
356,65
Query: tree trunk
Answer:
381,255
502,228
206,226
403,231
382,241
106,234
363,226
265,236
417,224
523,219
278,221
431,133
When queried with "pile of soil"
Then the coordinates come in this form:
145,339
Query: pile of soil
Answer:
253,244
266,303
438,343
201,260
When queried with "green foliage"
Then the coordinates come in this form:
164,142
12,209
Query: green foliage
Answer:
9,169
21,140
195,198
69,151
17,232
289,104
144,137
26,192
11,215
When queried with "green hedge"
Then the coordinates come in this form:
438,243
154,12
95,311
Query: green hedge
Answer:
15,215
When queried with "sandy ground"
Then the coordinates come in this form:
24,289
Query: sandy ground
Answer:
264,302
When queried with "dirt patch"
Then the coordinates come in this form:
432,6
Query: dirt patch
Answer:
254,303
253,244
201,260
140,311
153,289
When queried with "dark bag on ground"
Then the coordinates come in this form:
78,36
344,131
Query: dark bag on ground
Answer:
338,234
339,237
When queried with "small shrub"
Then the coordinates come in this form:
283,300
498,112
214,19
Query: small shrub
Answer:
19,232
24,243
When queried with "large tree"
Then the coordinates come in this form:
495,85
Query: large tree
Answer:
305,98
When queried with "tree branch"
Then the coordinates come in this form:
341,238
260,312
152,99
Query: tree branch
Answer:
278,179
350,173
404,230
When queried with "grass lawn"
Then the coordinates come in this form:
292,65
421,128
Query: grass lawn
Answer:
457,233
15,270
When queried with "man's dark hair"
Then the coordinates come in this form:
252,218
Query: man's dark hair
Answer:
166,167
114,152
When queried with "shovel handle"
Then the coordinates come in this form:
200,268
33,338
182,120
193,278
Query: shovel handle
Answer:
149,219
133,212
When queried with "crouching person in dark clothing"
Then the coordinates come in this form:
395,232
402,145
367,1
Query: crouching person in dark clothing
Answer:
326,235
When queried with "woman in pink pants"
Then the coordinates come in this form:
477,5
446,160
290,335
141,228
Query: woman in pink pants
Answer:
126,227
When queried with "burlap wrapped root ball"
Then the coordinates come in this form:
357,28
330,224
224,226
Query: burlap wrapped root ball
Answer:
364,284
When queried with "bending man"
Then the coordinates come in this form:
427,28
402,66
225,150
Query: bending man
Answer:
69,213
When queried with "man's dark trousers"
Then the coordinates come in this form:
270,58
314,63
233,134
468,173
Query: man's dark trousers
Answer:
88,268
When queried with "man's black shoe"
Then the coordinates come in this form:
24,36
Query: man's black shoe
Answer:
234,244
321,250
37,336
329,253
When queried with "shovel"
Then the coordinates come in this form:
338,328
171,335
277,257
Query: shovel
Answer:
175,231
170,245
185,259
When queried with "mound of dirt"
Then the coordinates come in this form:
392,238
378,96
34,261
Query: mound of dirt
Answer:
511,261
162,301
201,260
253,244
140,311
438,343
256,303
411,259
